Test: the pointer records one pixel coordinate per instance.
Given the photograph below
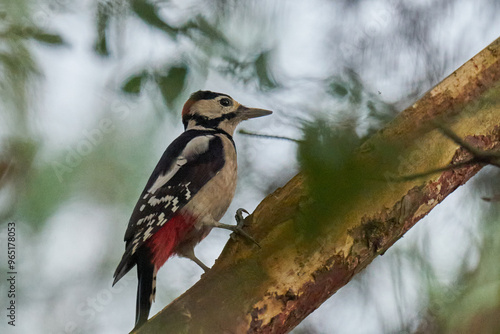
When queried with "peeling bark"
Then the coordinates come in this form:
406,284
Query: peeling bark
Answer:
272,289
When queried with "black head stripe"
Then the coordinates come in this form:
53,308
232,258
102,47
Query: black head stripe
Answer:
205,95
210,123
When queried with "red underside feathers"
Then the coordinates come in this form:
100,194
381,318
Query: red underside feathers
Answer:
163,242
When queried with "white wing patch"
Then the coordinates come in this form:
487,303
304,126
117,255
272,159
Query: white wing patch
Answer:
147,234
162,179
195,147
188,193
154,201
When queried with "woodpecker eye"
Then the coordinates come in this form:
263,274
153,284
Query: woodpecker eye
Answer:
225,102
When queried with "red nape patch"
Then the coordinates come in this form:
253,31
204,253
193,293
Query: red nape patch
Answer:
163,242
187,106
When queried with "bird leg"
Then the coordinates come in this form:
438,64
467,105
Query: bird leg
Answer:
189,253
237,229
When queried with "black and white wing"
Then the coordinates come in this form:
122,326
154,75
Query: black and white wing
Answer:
187,165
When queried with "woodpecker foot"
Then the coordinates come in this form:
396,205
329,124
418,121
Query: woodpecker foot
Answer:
240,221
237,229
239,217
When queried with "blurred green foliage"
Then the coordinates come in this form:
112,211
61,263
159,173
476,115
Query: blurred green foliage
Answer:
148,12
333,177
470,303
14,32
172,83
133,84
262,70
336,176
366,108
104,12
19,74
209,39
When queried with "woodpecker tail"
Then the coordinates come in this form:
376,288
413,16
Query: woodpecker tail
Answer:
146,289
127,262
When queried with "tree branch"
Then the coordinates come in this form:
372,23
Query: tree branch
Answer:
271,290
248,133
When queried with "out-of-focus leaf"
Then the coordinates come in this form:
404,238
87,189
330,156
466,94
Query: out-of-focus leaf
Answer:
338,89
494,198
325,156
47,38
134,83
335,175
381,112
18,66
18,155
101,46
359,103
7,59
4,168
266,81
349,86
103,15
35,33
172,84
149,14
243,70
213,34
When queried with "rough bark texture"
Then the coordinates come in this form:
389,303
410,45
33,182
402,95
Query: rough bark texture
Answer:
272,289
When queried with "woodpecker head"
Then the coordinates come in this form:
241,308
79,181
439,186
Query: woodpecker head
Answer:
209,110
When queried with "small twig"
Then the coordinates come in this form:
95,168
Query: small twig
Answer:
490,158
479,156
433,171
495,198
453,136
245,132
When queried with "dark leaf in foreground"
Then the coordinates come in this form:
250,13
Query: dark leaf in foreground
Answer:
149,14
134,83
172,84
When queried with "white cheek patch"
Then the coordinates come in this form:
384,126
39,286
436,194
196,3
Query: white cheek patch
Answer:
195,147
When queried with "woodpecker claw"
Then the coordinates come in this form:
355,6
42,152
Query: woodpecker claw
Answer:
244,234
238,229
239,217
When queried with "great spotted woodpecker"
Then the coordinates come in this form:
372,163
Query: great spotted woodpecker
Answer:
187,194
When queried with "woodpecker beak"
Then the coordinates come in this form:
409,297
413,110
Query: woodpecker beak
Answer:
246,113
